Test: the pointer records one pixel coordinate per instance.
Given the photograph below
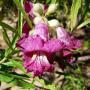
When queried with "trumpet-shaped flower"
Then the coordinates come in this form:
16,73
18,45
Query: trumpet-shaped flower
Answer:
38,50
70,41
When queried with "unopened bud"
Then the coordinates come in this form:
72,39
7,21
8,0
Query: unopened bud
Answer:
52,8
53,23
38,9
39,19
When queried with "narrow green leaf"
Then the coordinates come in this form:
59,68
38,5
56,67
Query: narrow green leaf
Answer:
18,64
7,39
15,64
25,84
6,26
5,78
76,4
84,23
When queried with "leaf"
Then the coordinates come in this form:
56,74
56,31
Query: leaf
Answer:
7,39
15,64
25,85
76,4
18,64
5,78
6,26
84,23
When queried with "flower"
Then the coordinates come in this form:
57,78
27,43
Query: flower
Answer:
28,6
29,9
38,50
25,28
38,64
41,29
71,42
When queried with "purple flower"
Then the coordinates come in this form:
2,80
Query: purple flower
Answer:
37,63
41,29
29,9
26,28
38,50
70,41
28,6
68,55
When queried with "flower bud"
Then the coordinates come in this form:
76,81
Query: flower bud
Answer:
53,23
52,8
39,19
38,9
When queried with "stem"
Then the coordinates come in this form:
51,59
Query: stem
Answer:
3,60
20,20
23,12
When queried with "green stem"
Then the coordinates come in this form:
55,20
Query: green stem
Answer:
3,60
23,12
20,20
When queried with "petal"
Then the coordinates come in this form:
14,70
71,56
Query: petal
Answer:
76,43
28,6
39,65
70,41
30,43
63,36
41,29
53,45
26,28
68,56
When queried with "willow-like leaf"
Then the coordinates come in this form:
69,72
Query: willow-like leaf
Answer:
7,39
76,4
84,23
6,26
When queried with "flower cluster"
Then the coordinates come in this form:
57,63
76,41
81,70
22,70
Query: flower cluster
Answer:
40,46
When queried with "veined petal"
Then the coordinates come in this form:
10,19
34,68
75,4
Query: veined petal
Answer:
41,29
63,36
70,41
38,65
30,43
53,45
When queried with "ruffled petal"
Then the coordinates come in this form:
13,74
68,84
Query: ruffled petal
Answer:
30,43
41,29
38,65
53,45
70,41
26,28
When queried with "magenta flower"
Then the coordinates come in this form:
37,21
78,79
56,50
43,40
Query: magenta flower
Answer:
41,29
71,42
28,6
29,9
68,56
25,28
38,50
37,63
